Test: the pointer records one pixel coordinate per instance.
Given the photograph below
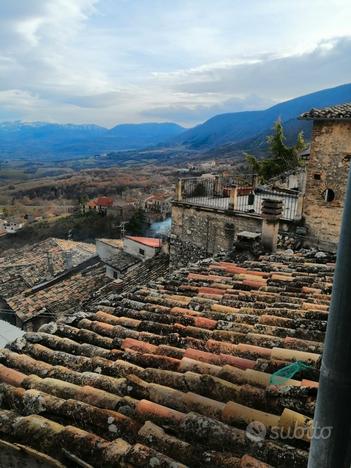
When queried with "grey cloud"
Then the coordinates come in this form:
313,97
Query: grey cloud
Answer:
278,78
191,115
98,100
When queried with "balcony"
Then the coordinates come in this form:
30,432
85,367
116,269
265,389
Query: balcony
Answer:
224,194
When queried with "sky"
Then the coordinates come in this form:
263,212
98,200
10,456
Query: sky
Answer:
117,61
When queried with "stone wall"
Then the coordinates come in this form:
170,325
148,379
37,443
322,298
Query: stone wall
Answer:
199,233
327,169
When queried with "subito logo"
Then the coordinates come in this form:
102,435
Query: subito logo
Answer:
256,431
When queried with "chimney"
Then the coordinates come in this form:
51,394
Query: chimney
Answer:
68,260
233,198
50,264
271,213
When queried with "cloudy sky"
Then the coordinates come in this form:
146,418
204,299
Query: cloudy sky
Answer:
115,61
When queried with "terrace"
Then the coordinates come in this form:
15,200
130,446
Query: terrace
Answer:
228,194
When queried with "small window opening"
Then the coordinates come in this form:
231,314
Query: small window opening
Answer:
317,177
251,199
142,251
328,195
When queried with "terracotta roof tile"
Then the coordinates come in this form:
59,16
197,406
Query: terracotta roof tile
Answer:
175,371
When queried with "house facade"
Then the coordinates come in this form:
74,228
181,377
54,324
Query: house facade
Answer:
142,247
122,256
327,173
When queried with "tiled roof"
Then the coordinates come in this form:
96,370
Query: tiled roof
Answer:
122,260
338,112
171,374
104,201
117,243
148,241
25,267
65,296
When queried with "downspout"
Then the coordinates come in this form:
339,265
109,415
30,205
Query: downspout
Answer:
331,442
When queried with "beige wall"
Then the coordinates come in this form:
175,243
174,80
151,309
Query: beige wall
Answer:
330,153
104,250
133,247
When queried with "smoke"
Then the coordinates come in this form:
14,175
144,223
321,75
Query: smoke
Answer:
160,228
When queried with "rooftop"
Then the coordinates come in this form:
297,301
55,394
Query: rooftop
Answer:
117,243
122,261
65,296
148,241
214,194
338,112
171,374
25,267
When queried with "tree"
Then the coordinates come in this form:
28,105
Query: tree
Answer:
137,223
282,157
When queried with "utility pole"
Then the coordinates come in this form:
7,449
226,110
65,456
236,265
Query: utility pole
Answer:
331,442
122,227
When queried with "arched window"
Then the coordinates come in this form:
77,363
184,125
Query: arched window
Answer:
328,195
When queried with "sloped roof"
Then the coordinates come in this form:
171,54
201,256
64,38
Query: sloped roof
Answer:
122,261
338,112
173,373
65,296
116,243
104,201
25,267
148,241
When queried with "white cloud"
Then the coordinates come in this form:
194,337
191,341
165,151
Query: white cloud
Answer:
112,61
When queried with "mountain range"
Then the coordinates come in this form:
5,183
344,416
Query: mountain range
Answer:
223,133
245,128
57,141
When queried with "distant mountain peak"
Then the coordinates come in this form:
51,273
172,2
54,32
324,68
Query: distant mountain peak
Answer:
28,139
237,127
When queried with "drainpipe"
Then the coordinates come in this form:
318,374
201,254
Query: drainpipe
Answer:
333,409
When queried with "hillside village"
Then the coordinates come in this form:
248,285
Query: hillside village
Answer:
202,347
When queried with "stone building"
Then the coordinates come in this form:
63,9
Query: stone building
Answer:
208,215
327,173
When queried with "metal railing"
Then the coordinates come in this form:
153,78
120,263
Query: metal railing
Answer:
206,191
252,203
222,193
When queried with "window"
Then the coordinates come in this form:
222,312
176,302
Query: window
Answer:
115,275
328,195
317,177
251,199
142,251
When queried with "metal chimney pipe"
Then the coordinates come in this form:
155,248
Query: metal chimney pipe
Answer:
333,410
50,264
68,260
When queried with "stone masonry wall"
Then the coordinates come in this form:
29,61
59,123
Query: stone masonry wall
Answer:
201,233
327,169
